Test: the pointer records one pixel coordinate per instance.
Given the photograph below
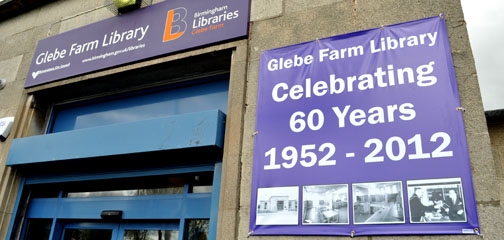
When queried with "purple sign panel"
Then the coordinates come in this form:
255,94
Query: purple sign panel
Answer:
159,29
361,134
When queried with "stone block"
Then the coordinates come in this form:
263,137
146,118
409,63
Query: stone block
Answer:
19,23
293,28
5,217
238,72
24,42
470,99
246,176
85,19
265,9
252,83
9,68
240,54
52,12
243,223
227,223
10,95
491,217
483,167
8,112
24,67
432,237
302,5
497,140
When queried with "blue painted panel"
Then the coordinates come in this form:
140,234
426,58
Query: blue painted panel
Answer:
141,207
86,225
175,101
201,129
16,208
212,234
48,209
56,230
111,175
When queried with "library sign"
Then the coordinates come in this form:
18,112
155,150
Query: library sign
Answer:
362,134
159,29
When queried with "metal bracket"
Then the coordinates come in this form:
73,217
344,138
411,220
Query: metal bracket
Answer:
460,109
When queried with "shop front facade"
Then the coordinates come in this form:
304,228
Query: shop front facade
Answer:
151,142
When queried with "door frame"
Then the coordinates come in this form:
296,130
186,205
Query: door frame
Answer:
60,217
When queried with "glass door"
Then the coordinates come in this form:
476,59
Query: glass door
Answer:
90,231
148,231
124,231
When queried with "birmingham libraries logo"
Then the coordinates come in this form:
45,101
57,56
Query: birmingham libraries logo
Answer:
209,20
175,24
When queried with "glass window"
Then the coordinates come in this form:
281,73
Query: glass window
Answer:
38,229
88,234
197,229
44,192
128,193
201,189
144,186
150,235
140,106
202,183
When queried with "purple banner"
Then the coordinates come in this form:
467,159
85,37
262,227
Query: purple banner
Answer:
159,29
361,134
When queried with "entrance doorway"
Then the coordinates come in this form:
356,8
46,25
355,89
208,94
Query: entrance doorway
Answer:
280,206
175,206
120,231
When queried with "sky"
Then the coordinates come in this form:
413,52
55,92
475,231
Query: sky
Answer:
485,24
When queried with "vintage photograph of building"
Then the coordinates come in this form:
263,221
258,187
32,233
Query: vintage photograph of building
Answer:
277,206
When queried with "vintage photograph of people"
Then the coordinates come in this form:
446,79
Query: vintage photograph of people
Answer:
436,201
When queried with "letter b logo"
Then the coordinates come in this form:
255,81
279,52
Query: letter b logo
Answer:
175,24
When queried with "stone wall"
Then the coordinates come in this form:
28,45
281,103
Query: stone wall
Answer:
274,23
278,23
496,130
18,39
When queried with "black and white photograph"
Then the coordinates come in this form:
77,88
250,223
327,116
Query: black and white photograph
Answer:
325,204
378,203
436,201
277,206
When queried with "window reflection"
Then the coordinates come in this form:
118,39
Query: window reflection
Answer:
202,183
88,234
143,186
197,229
150,235
201,189
38,229
128,193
